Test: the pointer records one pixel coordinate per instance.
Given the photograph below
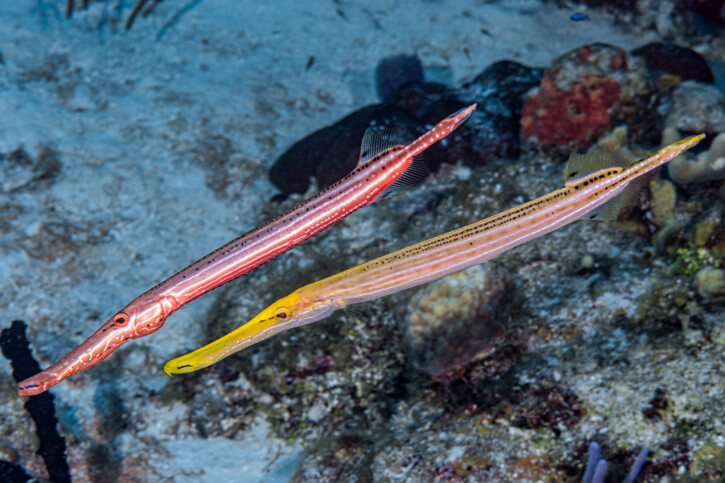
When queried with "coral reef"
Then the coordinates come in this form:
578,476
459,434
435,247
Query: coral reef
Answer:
164,146
695,107
585,93
456,320
596,469
708,165
671,19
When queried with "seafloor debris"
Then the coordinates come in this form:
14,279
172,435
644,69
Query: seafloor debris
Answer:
547,406
454,321
709,459
710,281
657,405
138,9
20,172
15,347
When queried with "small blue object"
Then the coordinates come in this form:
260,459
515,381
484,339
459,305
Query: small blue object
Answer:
578,17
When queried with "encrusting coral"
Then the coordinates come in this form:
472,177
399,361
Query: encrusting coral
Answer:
708,165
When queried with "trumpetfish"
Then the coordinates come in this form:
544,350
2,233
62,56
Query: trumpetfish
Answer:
596,187
384,166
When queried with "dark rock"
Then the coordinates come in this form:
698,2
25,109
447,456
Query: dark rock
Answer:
491,132
395,72
669,58
711,10
612,5
332,152
428,103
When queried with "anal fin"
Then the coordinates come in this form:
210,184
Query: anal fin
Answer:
630,196
414,176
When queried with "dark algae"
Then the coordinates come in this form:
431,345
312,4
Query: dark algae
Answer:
52,448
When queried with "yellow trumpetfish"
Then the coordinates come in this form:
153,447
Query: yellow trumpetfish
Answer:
596,187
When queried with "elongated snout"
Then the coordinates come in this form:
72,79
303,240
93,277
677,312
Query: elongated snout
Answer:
96,348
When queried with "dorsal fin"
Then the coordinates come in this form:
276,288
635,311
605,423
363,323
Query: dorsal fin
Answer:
377,139
582,165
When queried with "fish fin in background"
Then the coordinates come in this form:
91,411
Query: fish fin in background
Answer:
378,139
581,165
353,311
584,165
630,196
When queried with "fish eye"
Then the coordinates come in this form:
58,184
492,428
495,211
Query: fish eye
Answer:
120,320
282,313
